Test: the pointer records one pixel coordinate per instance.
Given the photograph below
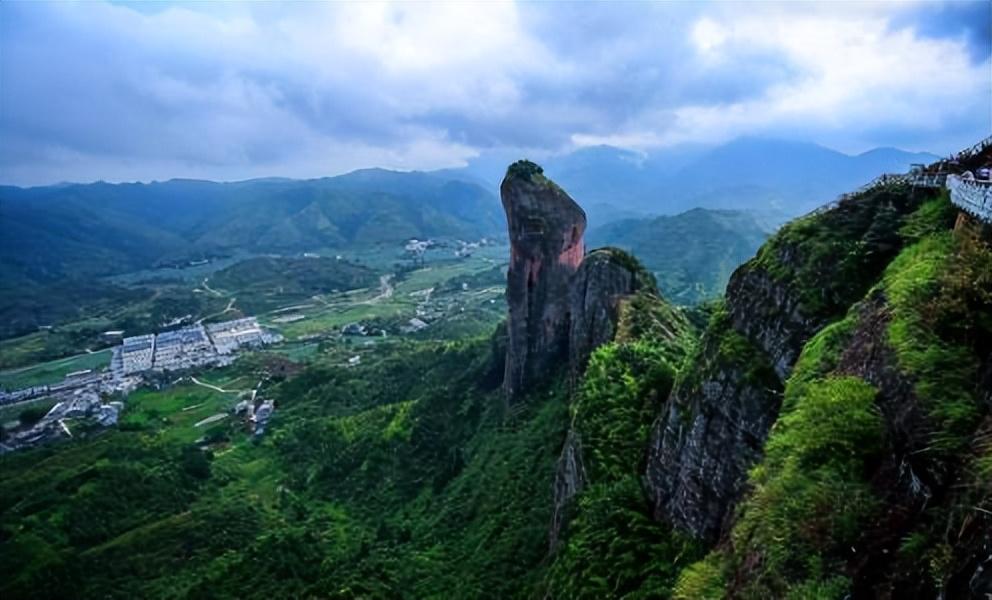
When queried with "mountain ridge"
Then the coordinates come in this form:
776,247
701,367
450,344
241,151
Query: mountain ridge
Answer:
788,176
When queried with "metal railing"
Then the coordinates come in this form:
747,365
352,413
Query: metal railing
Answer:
928,180
972,196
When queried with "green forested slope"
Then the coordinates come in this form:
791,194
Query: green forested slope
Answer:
692,254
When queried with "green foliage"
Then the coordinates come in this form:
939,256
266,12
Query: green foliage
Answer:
811,498
31,415
934,216
196,462
647,317
818,358
809,501
962,308
703,580
943,368
723,347
400,477
616,550
265,283
830,259
622,386
612,547
524,169
60,506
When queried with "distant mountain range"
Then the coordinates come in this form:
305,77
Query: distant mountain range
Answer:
67,233
79,230
692,254
94,229
777,178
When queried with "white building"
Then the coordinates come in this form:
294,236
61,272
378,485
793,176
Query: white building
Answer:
137,353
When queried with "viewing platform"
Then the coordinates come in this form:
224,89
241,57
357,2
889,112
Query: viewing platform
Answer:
966,177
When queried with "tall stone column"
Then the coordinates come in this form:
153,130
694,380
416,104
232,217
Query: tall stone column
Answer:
546,247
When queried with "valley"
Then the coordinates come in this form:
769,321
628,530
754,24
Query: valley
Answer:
495,300
379,451
437,294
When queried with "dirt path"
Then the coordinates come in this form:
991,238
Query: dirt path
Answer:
210,289
230,307
385,290
214,387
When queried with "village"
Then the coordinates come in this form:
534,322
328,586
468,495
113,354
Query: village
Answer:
79,396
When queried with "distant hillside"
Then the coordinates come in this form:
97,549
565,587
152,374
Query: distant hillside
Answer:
97,229
263,283
692,254
778,177
57,241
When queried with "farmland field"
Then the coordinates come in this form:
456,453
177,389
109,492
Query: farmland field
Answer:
52,371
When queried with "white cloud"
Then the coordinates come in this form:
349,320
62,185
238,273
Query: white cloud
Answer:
708,35
94,90
857,74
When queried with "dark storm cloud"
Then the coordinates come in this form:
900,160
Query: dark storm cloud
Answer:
971,21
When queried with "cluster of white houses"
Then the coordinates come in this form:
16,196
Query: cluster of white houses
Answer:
80,394
192,346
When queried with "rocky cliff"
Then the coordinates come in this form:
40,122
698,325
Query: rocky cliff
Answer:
546,247
604,278
603,288
563,304
714,426
831,436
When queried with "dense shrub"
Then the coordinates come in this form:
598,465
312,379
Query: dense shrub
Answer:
809,500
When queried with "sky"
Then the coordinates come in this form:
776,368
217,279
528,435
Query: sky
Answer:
122,91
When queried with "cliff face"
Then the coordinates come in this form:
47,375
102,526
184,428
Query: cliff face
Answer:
874,480
714,426
604,278
564,304
546,247
711,431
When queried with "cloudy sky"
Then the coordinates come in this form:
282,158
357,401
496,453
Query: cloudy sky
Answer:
137,91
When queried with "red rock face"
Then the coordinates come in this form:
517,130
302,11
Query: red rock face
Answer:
573,254
546,247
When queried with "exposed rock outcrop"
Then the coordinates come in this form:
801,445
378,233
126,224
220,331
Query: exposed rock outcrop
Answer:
712,431
604,278
563,304
546,247
756,296
570,478
714,426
